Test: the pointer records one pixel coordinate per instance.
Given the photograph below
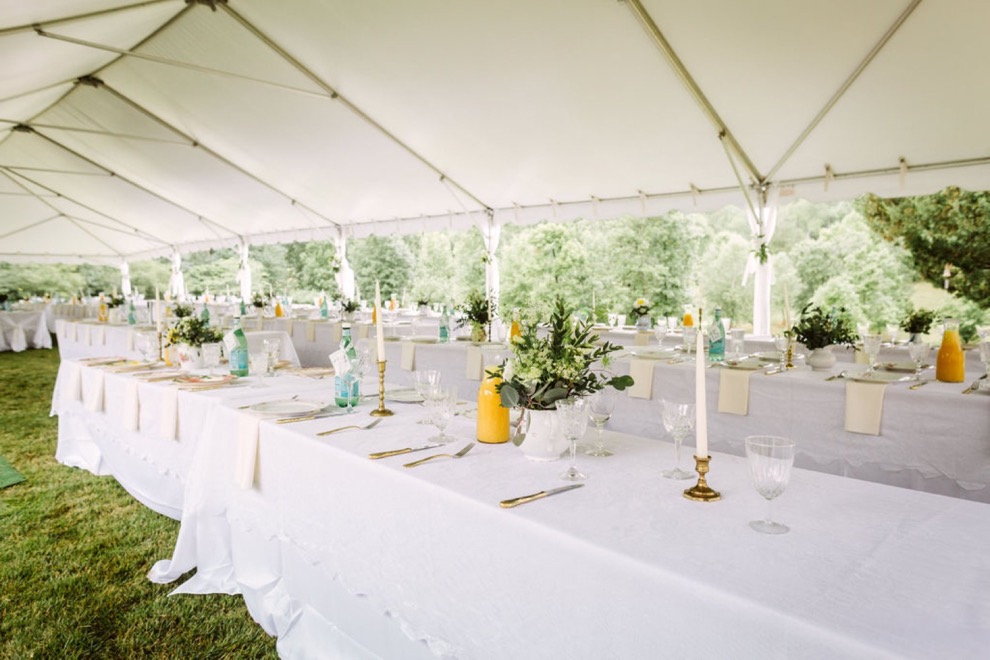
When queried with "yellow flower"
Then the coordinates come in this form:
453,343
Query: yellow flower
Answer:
640,302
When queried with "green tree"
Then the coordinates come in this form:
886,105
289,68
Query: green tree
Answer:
468,262
313,266
433,272
383,258
544,262
949,227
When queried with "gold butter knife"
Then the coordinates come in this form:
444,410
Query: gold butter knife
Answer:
399,452
508,504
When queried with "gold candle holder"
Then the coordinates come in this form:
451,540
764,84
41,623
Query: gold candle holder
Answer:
700,492
381,410
790,355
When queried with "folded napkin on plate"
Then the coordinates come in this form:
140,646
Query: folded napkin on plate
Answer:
864,407
310,330
131,412
733,391
93,391
642,373
170,412
474,366
641,339
408,355
246,463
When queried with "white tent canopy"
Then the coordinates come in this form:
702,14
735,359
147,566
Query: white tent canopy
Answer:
136,129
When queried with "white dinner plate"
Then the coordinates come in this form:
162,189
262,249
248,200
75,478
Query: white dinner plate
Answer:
751,364
880,377
403,396
287,407
652,353
424,339
907,367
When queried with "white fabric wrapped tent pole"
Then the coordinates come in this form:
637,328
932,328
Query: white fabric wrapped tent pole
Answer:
759,264
345,275
177,281
244,274
125,279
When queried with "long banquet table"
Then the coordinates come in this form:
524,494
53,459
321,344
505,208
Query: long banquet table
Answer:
345,557
24,329
341,556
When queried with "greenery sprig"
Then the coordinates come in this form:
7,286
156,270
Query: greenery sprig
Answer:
818,329
193,331
918,321
547,367
476,310
182,311
349,305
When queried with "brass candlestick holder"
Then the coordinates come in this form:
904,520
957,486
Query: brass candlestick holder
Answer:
790,355
381,410
700,492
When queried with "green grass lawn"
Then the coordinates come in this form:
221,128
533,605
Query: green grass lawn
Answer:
75,548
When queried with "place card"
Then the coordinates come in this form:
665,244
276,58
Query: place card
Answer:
408,356
311,331
641,339
642,373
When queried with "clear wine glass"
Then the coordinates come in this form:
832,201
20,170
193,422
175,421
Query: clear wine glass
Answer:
600,410
273,349
770,459
442,402
737,342
572,416
678,419
424,380
781,342
871,346
690,336
892,331
919,352
660,331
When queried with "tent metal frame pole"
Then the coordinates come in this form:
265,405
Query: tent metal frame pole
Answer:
692,86
13,174
79,17
844,87
197,144
93,131
95,237
213,224
334,94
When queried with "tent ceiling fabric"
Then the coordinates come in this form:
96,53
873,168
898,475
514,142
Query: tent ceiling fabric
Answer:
269,121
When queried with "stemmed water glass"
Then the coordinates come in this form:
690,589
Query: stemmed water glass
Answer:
600,411
424,380
781,342
770,459
678,419
572,416
737,342
660,331
892,330
147,344
871,346
690,335
918,351
441,402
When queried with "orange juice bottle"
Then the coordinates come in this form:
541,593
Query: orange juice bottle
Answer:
278,309
493,418
514,329
688,320
950,367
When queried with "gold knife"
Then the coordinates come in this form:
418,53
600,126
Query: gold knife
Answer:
308,418
399,452
508,504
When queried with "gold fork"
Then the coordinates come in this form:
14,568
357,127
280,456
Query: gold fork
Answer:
468,447
366,427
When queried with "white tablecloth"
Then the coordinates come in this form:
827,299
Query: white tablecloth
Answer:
22,330
345,557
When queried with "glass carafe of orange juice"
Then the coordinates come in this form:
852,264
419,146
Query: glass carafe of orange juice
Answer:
493,418
515,330
950,367
688,319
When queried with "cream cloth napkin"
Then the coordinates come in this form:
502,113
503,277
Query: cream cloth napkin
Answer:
87,335
408,356
864,407
642,373
859,356
259,323
73,385
93,396
336,332
362,331
474,366
170,412
101,335
310,330
733,391
642,339
132,409
246,463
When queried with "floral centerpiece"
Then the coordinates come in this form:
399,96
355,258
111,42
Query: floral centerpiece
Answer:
819,331
115,300
477,311
918,322
641,312
548,366
259,300
188,335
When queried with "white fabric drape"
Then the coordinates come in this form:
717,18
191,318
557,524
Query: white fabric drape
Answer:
492,232
762,229
125,279
177,282
345,276
244,274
